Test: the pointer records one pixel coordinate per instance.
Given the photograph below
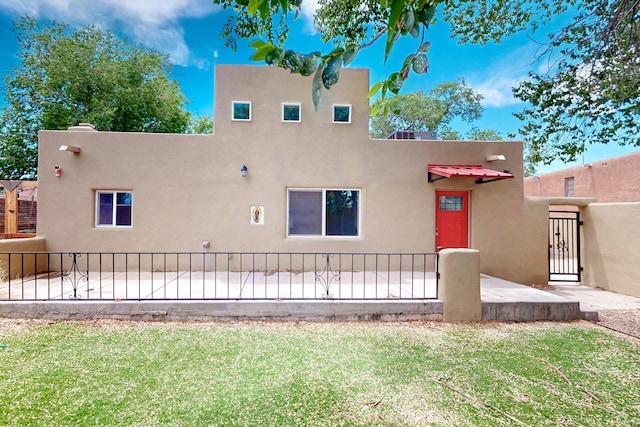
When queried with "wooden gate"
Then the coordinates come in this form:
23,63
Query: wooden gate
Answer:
564,246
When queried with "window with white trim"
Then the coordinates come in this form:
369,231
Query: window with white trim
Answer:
323,212
341,113
241,111
114,208
291,112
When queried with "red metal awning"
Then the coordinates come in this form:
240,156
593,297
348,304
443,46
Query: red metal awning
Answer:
481,174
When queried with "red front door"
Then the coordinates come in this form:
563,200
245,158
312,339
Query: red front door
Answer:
452,219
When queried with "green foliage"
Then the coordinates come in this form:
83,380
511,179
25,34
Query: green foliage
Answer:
594,95
356,26
476,134
529,162
347,25
70,76
423,112
200,124
18,144
483,22
446,133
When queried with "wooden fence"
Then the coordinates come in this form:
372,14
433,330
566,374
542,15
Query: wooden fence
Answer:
27,218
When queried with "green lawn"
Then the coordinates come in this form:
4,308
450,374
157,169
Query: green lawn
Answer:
316,374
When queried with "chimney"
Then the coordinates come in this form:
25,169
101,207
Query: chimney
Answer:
83,127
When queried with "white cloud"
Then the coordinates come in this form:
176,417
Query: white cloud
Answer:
308,12
496,90
152,23
495,83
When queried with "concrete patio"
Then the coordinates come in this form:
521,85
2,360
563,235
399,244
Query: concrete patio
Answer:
391,295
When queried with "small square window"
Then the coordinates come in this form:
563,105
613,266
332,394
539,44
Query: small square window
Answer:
291,112
342,114
241,111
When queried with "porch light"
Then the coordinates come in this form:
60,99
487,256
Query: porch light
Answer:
243,171
70,148
494,157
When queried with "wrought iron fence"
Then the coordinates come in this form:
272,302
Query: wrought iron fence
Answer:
33,276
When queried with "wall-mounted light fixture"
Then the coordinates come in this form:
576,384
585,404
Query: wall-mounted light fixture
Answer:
494,157
70,148
243,171
58,171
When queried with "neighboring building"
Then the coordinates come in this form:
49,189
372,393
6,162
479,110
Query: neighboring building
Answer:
611,180
279,176
27,190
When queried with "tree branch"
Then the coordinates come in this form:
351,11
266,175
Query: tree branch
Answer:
480,402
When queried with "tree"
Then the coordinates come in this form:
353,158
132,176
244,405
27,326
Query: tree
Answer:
200,124
529,160
354,26
18,144
593,99
594,94
474,134
422,112
87,75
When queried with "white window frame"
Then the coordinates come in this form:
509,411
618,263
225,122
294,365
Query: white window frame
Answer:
292,104
114,211
333,113
233,110
323,230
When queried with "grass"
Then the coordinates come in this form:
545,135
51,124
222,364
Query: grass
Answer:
316,374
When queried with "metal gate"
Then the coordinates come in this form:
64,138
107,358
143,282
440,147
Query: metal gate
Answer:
564,246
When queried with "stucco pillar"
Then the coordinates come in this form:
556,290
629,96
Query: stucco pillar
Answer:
459,285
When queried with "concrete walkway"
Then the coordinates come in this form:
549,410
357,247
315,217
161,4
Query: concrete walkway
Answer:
501,294
504,300
501,300
594,299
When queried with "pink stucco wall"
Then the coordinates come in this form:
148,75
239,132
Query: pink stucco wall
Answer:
611,180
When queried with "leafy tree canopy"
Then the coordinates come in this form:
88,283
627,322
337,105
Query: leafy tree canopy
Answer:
421,111
590,96
200,124
355,25
70,76
593,95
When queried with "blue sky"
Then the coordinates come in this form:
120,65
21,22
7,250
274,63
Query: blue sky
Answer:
188,30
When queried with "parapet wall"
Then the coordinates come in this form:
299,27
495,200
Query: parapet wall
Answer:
13,266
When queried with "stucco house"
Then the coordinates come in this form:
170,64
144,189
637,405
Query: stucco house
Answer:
609,180
281,176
